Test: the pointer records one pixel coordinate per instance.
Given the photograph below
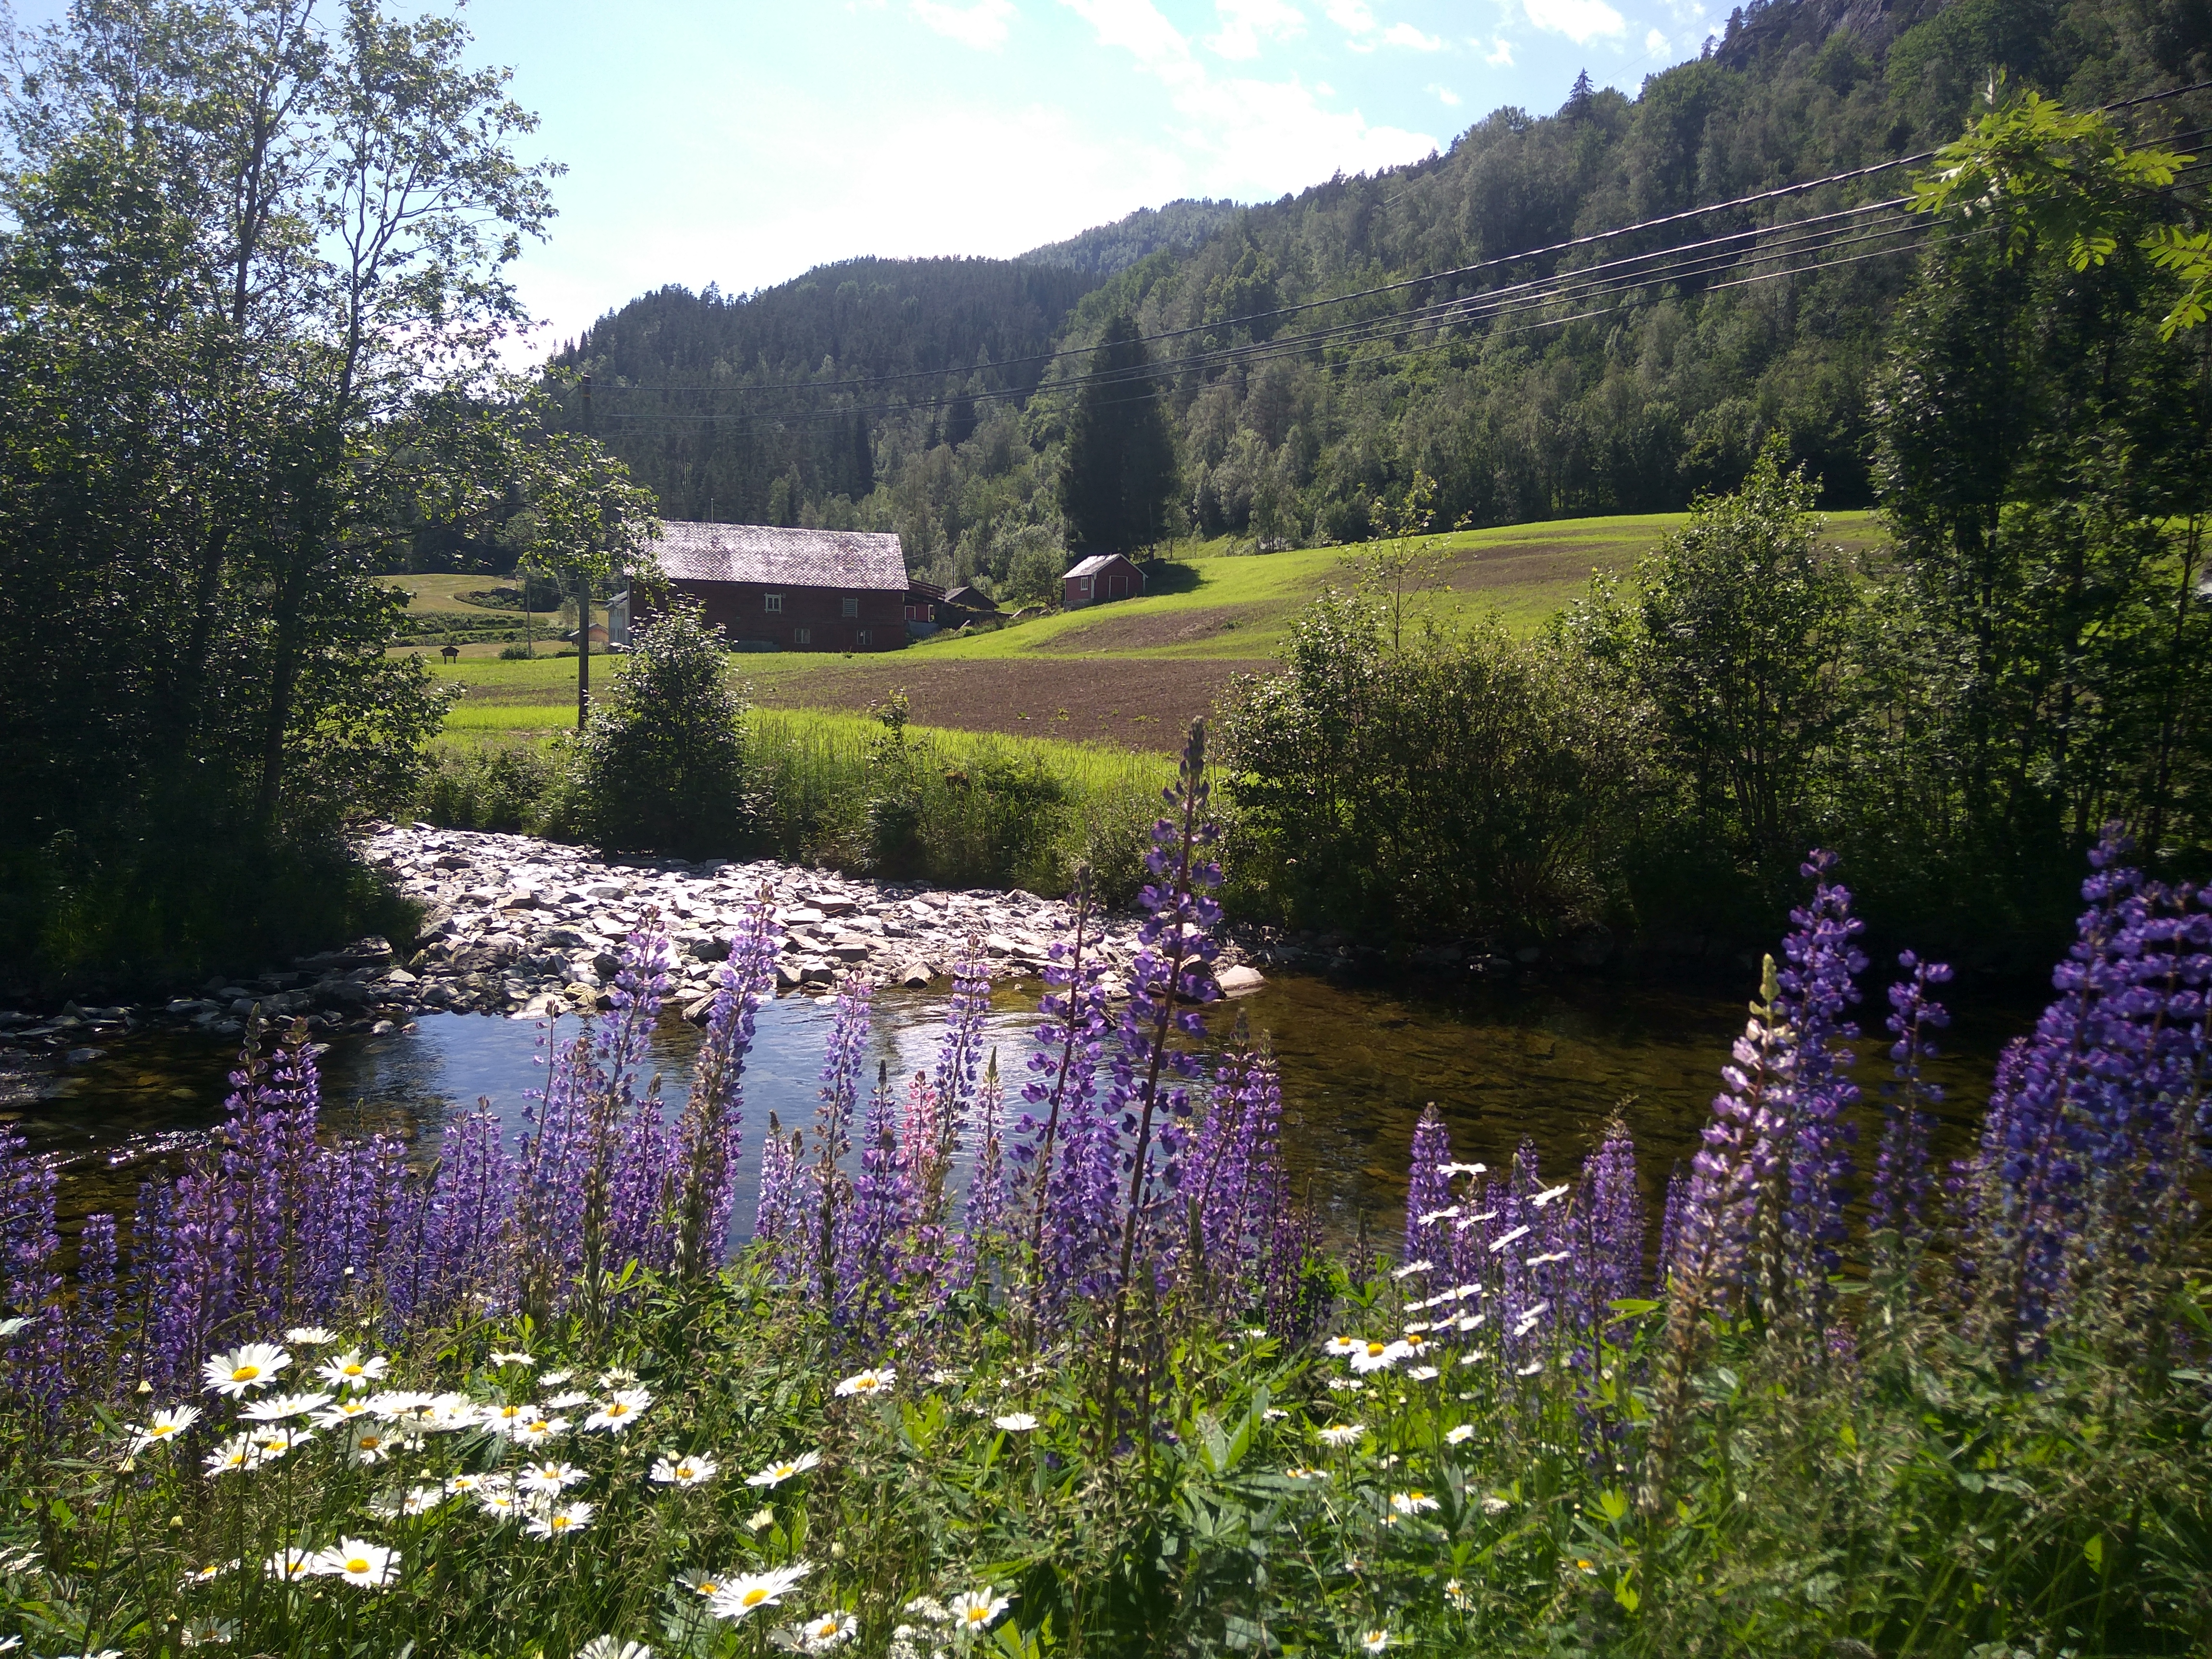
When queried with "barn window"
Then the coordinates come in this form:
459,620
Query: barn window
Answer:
774,602
862,637
802,636
852,607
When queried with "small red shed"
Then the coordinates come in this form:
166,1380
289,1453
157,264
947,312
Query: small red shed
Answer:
1101,577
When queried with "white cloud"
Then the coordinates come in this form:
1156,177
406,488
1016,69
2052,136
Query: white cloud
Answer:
1350,15
981,24
1580,21
1405,35
1244,23
1445,95
1138,28
1500,52
1654,43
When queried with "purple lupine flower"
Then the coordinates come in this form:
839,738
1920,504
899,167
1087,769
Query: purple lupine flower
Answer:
469,1237
1713,1225
1176,949
953,1082
1670,1218
710,1135
1429,1235
1816,986
1236,1191
1612,1219
842,1064
780,1222
875,1223
92,1330
1068,1161
30,1275
1901,1179
2085,1149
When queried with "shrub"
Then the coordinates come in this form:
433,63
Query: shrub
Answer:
501,787
660,764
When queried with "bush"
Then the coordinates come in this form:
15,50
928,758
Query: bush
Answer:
504,787
661,765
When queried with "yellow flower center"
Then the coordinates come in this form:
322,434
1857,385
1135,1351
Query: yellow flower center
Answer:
559,1522
356,1565
976,1615
354,1371
708,1586
1416,1497
754,1596
683,1471
1375,1349
245,1373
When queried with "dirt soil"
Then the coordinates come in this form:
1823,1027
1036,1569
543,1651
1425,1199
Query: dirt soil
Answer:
1153,631
1518,562
1143,703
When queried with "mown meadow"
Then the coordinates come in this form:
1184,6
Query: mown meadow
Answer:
1045,1356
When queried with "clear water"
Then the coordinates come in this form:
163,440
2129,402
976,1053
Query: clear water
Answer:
1552,1064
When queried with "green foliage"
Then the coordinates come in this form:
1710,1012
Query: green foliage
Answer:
1118,471
510,787
1459,783
660,766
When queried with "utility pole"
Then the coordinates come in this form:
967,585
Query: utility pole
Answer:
584,606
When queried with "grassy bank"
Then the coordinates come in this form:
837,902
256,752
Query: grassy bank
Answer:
959,809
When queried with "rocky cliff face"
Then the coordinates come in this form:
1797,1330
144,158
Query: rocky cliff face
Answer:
1767,27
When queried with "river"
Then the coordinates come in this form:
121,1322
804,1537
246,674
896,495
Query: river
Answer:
1553,1062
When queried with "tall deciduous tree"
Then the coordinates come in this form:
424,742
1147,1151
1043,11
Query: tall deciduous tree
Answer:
1118,475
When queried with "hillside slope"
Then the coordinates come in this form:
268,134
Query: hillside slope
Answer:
923,396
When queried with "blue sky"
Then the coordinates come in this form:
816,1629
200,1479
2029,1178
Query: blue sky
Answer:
741,143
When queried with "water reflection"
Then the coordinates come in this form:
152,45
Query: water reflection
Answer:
1552,1064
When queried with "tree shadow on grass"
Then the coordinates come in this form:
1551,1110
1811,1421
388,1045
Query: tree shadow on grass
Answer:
1166,576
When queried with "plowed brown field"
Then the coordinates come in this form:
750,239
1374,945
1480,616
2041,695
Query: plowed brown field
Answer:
1142,702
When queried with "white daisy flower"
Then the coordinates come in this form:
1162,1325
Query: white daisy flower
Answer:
1466,1323
498,1502
163,1426
750,1591
567,1402
555,1379
1459,1434
357,1561
341,1413
1412,1267
1375,1641
462,1484
1430,1217
1305,1474
1274,1414
1415,1502
421,1500
1550,1194
619,1410
974,1610
291,1565
1376,1356
210,1573
1463,1169
868,1382
310,1336
569,1518
508,1416
702,1583
683,1471
549,1478
1342,1347
613,1647
1503,1239
1495,1505
1530,1369
1422,1374
208,1633
278,1406
450,1413
777,1473
1347,1385
371,1445
616,1376
232,1457
512,1360
539,1429
1455,1593
1343,1434
831,1630
1015,1422
352,1370
760,1520
238,1373
1547,1258
396,1403
271,1443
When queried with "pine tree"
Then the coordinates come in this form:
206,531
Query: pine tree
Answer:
1119,471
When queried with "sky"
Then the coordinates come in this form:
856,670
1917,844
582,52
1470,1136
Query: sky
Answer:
745,142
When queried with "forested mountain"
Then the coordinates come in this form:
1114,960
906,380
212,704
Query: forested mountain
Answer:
1105,249
1298,397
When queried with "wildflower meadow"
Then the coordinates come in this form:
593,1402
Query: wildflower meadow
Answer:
1051,1360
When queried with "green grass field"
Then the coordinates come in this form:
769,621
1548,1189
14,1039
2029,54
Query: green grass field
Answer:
1127,674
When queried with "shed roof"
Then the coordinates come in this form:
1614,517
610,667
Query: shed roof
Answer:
1098,561
791,558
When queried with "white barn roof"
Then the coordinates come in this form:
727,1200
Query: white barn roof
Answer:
689,551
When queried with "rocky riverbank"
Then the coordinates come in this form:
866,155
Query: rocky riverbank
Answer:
523,927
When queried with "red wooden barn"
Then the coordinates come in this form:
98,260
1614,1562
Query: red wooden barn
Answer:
1101,577
771,589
